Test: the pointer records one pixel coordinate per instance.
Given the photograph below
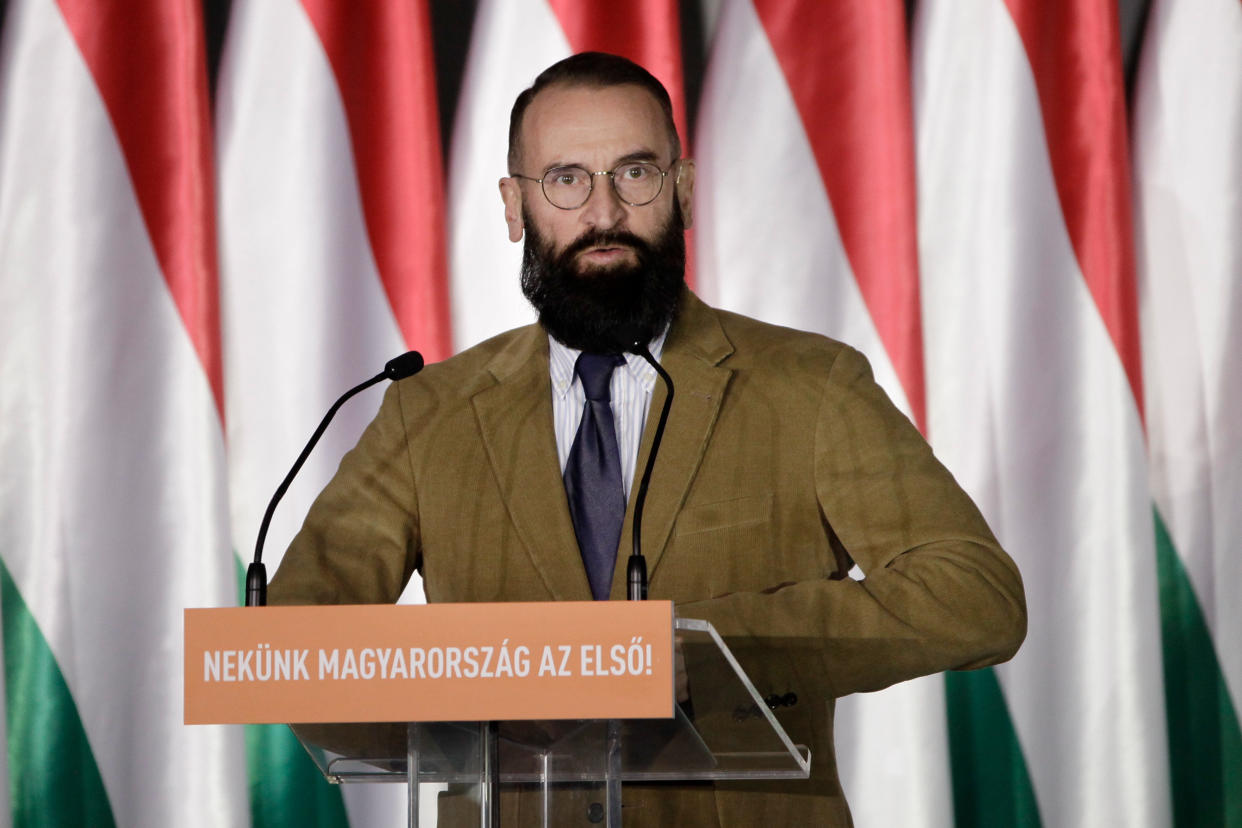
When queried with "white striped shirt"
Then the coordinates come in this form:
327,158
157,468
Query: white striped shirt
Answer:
630,389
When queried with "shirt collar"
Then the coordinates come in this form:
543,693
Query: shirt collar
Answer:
561,359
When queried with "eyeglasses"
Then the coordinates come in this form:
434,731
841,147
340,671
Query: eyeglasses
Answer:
635,182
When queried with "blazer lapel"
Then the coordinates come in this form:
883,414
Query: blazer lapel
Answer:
692,354
515,421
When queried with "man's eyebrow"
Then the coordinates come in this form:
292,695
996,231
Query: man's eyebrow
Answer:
640,155
629,157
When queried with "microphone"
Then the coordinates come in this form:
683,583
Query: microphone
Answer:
636,567
406,365
400,367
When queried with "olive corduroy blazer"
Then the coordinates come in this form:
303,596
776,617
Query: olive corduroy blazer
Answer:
783,463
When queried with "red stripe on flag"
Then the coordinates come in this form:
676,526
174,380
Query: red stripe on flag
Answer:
147,59
381,56
846,66
647,32
1075,52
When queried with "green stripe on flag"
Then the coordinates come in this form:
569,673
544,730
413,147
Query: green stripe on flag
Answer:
991,785
286,788
1205,743
53,778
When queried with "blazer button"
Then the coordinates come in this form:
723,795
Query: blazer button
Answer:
595,812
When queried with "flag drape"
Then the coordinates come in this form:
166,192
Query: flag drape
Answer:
1188,197
333,262
1023,212
112,514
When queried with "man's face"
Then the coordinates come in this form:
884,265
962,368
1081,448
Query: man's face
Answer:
595,128
606,267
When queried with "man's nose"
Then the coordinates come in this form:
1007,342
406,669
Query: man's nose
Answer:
603,209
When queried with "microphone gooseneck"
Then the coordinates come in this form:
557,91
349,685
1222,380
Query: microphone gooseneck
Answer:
636,567
406,365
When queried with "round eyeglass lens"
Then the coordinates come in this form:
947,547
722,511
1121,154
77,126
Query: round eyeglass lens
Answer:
567,187
638,183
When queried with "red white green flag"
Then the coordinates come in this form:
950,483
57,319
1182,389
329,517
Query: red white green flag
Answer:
332,262
113,514
1188,210
1035,402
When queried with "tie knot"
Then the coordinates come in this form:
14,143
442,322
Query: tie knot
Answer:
595,371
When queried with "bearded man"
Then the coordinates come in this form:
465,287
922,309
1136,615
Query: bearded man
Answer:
505,473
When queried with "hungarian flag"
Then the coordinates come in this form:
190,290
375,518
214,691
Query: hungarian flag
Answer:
113,514
513,41
806,217
1035,402
332,262
1188,210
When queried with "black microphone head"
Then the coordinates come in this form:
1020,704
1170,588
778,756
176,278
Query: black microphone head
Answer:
406,365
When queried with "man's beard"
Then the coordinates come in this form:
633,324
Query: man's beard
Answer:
605,309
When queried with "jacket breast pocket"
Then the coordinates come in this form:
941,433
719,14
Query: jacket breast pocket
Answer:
724,514
719,547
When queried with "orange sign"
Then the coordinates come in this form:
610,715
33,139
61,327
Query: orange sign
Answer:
437,662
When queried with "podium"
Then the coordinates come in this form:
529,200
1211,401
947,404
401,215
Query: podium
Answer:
726,731
519,768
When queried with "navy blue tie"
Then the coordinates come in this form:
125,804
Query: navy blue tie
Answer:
593,475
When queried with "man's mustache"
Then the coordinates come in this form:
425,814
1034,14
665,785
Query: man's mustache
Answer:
606,238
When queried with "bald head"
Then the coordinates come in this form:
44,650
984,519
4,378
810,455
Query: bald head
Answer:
590,70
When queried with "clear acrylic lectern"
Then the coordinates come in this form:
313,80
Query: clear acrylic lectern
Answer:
525,772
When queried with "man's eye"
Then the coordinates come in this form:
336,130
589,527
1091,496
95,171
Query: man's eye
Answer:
636,172
566,178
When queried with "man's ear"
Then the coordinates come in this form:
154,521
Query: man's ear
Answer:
511,195
684,188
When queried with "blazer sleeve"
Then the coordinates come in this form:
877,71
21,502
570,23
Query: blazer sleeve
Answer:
938,593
